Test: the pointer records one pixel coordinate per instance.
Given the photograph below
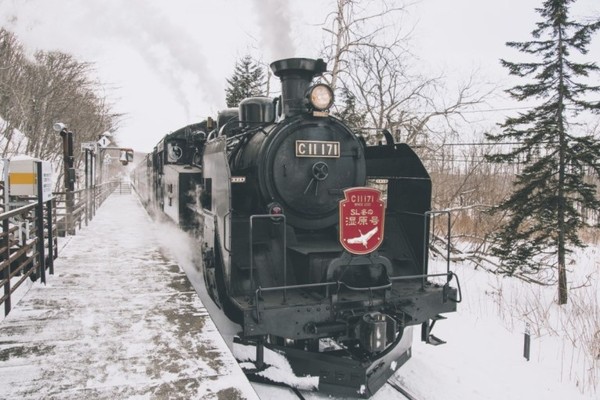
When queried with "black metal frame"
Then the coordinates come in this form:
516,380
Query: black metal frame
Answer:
423,277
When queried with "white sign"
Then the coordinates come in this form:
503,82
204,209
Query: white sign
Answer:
46,181
104,141
91,146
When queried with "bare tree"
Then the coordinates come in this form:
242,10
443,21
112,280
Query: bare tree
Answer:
54,86
412,106
369,58
353,25
11,63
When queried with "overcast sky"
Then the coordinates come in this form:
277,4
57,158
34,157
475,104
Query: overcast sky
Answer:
164,63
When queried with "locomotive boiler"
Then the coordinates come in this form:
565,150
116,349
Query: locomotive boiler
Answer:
313,241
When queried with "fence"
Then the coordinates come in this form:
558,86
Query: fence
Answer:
78,207
28,240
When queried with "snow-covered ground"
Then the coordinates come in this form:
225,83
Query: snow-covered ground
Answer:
483,358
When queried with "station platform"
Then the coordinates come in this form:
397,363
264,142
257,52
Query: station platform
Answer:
118,320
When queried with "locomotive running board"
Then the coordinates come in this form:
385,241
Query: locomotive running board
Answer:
328,372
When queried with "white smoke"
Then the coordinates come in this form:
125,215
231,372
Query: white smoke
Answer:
168,49
275,23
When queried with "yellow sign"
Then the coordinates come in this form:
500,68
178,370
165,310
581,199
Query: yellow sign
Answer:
22,178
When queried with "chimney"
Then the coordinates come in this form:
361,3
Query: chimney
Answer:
296,75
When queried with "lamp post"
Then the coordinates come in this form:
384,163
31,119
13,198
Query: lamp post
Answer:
69,172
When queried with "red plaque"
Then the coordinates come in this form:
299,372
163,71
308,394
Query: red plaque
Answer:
361,220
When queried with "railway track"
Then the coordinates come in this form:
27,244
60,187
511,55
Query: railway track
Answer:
401,390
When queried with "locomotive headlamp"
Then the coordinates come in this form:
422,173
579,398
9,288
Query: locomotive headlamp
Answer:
275,209
320,97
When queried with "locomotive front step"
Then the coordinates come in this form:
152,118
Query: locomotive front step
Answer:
426,329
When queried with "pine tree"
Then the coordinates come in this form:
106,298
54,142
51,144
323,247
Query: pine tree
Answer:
247,81
544,217
350,113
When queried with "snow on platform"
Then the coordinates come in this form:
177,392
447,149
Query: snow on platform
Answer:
117,320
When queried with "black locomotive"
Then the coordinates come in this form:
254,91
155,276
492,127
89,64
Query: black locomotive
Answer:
261,188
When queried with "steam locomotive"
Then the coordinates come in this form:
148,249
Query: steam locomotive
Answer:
313,241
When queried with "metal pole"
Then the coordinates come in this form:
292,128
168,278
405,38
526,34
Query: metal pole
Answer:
526,343
93,160
69,172
87,187
260,353
50,238
6,242
40,223
7,270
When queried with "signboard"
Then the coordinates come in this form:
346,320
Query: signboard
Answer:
23,178
104,141
362,214
46,181
91,146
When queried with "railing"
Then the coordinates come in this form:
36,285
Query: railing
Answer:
124,187
28,239
28,247
78,207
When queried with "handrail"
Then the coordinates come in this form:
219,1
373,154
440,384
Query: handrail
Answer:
339,284
17,211
426,239
22,259
17,256
423,277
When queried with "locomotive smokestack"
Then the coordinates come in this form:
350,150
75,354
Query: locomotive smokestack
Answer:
296,75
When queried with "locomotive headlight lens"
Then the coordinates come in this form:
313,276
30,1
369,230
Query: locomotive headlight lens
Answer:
321,97
276,210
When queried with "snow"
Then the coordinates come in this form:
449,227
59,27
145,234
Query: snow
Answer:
118,319
278,370
483,357
17,143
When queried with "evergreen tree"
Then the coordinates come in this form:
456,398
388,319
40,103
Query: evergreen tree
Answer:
544,216
349,112
247,81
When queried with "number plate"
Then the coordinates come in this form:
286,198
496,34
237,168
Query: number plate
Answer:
317,148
